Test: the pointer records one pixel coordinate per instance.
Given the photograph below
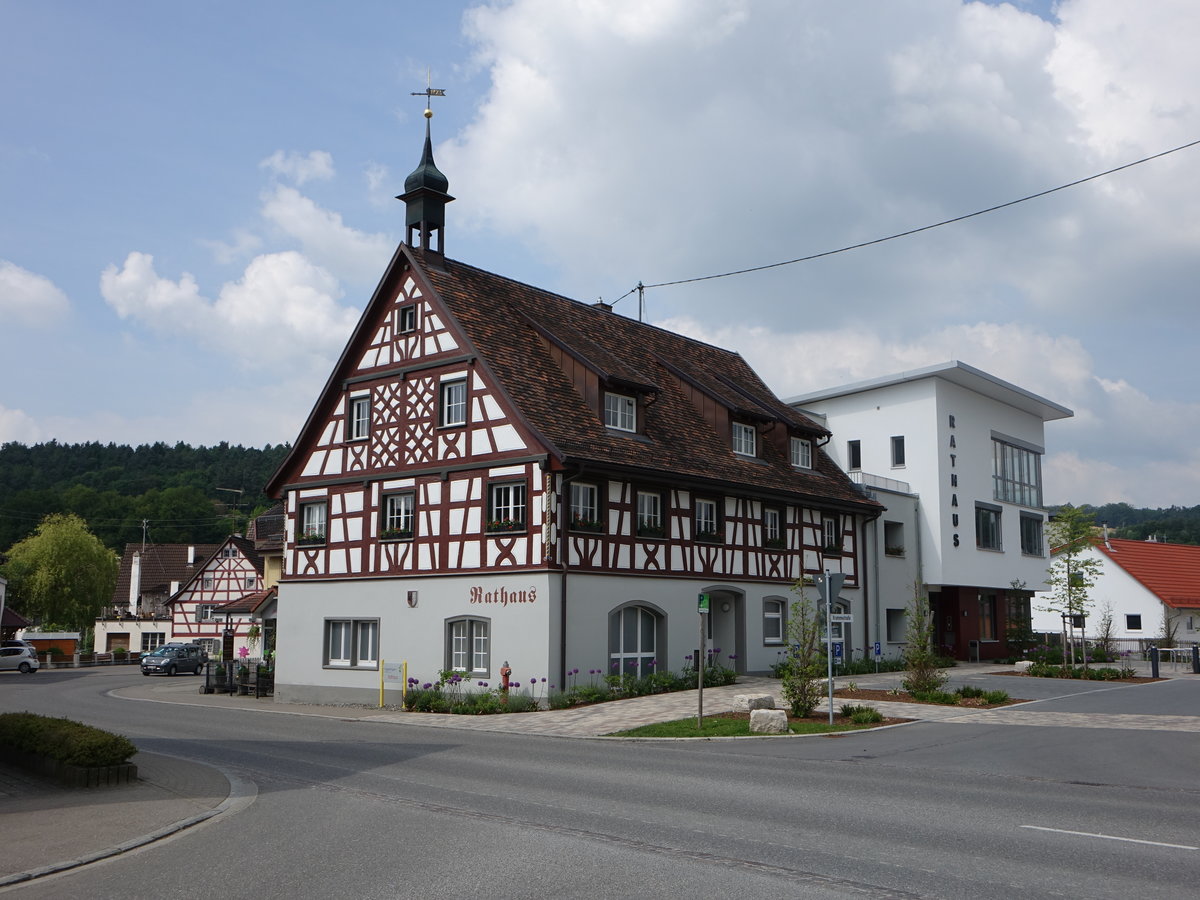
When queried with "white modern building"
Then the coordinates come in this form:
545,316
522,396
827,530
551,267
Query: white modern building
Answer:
955,455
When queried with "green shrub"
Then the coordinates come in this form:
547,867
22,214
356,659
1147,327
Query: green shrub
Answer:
991,698
70,742
861,715
518,703
969,691
560,700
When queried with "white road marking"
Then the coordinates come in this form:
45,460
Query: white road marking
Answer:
1111,837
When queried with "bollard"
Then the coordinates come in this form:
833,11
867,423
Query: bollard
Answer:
1196,659
1153,662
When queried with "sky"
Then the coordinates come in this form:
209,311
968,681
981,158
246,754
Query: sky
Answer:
196,200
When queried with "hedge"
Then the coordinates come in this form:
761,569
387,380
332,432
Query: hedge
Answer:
68,742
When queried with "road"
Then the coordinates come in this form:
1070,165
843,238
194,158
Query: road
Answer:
338,807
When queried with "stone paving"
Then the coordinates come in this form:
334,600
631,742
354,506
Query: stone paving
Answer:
602,719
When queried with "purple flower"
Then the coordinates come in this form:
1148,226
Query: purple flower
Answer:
543,681
574,671
615,664
427,685
484,683
515,684
733,656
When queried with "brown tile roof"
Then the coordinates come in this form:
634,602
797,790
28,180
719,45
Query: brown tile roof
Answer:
161,565
1169,571
247,603
510,323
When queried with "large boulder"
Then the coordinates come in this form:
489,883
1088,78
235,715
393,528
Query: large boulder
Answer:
768,721
748,702
1022,665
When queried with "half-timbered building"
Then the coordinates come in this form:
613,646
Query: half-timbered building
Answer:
496,474
206,611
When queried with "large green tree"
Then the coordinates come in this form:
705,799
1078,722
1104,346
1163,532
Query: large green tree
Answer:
1073,570
61,575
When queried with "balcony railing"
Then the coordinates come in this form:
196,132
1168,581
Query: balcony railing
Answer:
866,479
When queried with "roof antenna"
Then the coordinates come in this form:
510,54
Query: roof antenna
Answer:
641,302
1106,543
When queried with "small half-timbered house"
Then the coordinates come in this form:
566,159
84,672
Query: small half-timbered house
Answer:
496,474
203,611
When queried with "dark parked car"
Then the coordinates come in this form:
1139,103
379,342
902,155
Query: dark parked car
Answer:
175,658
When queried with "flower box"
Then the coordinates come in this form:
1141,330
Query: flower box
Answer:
396,534
502,525
650,531
310,540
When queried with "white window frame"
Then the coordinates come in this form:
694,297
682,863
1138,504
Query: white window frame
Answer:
774,621
650,513
620,411
854,455
897,451
250,583
801,453
399,514
358,417
706,518
453,405
204,612
647,632
152,640
207,581
508,501
584,505
831,527
1016,473
745,439
352,643
1128,621
314,520
772,525
468,645
406,319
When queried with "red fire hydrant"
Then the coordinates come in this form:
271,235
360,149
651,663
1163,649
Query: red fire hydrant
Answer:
505,672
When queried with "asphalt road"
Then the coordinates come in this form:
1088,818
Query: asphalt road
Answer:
369,809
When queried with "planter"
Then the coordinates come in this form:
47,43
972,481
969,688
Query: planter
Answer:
72,776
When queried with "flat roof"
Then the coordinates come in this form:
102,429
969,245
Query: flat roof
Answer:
957,373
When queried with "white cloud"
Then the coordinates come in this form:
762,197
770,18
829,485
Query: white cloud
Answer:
28,298
354,255
17,425
317,165
282,314
244,245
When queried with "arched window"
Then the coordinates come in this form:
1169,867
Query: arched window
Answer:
634,640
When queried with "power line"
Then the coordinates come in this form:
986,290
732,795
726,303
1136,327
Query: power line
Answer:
911,231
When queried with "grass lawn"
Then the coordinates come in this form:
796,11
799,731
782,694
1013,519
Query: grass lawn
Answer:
735,725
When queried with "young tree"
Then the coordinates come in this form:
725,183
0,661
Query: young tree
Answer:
802,675
920,659
1073,570
61,574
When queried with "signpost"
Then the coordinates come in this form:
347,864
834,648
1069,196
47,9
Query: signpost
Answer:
831,585
703,603
878,653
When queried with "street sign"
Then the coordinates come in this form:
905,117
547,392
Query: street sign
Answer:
830,584
837,650
878,649
702,604
841,617
393,673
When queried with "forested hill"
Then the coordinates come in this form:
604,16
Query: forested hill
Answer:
187,494
1174,524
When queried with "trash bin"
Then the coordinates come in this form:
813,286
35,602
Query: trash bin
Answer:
972,651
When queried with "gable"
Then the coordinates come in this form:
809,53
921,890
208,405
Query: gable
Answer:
406,348
1169,571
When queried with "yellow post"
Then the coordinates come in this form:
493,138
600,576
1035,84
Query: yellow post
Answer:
381,684
404,683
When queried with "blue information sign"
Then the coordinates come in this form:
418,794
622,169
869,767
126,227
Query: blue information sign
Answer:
878,649
837,650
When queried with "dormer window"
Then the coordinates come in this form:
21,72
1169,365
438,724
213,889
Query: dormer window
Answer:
801,453
358,418
744,443
620,412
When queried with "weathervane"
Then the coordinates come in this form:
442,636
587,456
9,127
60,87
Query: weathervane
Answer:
428,94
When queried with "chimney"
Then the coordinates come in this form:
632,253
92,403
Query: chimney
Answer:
600,304
191,556
1106,543
135,581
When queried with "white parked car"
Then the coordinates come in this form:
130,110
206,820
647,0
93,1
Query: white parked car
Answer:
18,659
